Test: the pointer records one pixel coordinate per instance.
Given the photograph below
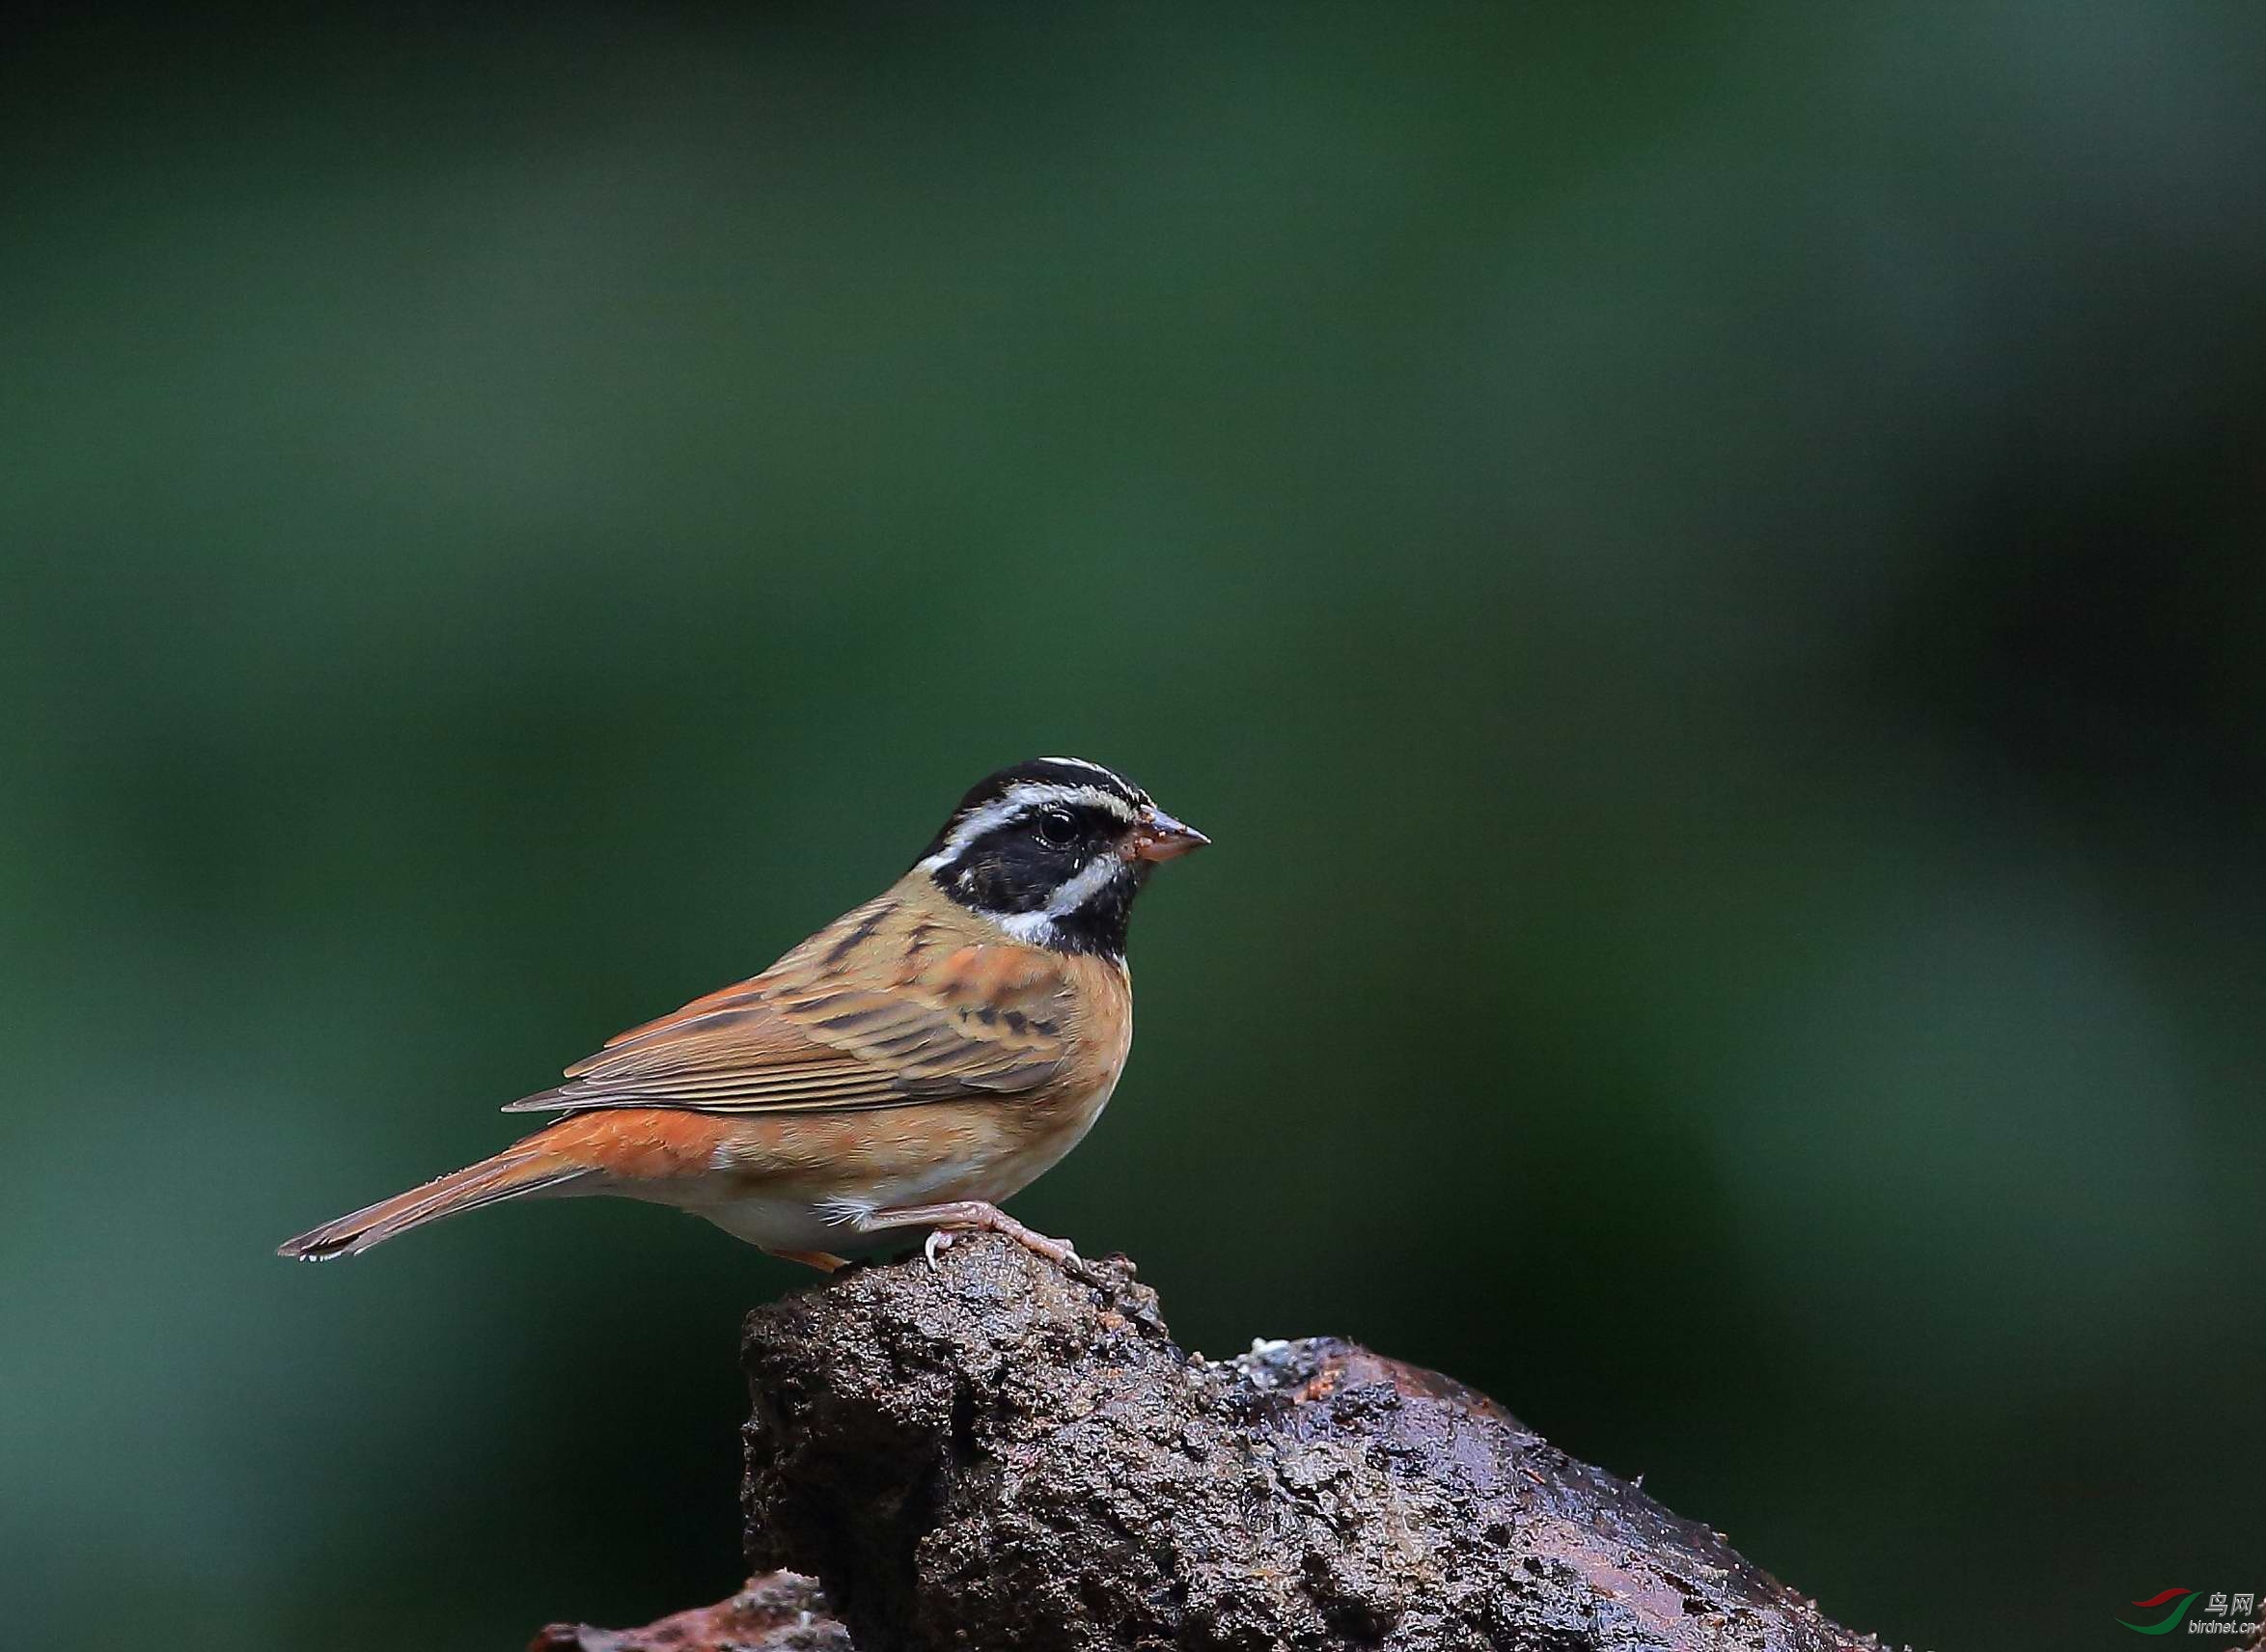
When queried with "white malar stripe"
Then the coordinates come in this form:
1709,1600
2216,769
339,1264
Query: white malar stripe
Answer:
1038,928
1032,929
1090,880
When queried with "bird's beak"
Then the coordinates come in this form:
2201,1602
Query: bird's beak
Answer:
1158,837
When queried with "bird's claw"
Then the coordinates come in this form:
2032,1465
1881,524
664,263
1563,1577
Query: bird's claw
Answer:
1054,1250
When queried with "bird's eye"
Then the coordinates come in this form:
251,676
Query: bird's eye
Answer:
1056,830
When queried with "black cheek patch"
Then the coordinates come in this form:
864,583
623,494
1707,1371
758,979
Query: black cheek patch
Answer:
1008,871
1010,876
1100,924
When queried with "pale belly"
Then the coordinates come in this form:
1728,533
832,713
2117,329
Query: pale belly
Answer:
801,1184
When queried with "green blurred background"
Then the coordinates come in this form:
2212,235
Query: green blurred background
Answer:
1702,565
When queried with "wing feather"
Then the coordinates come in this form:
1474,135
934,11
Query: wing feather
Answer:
881,1008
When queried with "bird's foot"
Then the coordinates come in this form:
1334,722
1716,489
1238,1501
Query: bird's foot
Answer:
945,1223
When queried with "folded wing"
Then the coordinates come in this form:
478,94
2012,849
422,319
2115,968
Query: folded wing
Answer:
867,1013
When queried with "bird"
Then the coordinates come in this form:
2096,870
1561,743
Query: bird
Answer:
910,1065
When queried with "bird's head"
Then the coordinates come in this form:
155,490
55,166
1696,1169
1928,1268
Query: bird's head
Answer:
1054,850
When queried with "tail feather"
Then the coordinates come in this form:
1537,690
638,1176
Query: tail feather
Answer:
510,1174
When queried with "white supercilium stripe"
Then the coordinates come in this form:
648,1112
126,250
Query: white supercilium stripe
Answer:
1018,799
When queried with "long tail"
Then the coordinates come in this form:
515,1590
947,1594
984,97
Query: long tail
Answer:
515,1171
